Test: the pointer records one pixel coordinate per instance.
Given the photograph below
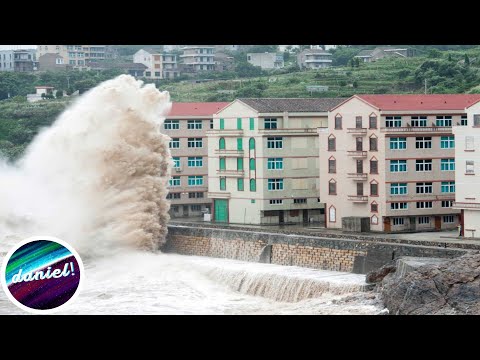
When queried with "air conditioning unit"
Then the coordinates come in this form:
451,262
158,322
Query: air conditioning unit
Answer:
178,170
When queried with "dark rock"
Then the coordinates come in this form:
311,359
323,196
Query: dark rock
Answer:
375,276
449,287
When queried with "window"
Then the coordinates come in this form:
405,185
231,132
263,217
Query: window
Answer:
476,120
373,167
275,143
331,143
424,204
195,180
393,121
447,203
221,144
423,142
222,124
171,125
275,184
332,214
360,189
253,185
448,219
338,122
374,220
423,165
447,142
300,201
239,164
332,187
464,120
469,143
148,73
252,164
195,142
251,144
157,74
373,144
424,188
275,163
423,220
372,122
171,196
398,165
195,161
252,124
239,144
276,202
398,189
358,122
419,121
222,163
175,208
443,121
359,166
195,195
469,167
174,143
447,165
359,144
223,183
211,124
398,221
176,162
195,207
332,166
374,207
240,184
399,206
270,123
194,124
373,189
174,181
398,143
239,123
448,186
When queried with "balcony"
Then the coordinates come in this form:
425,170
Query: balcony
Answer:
358,176
231,173
218,195
357,131
358,198
293,131
226,152
415,129
464,205
357,154
225,132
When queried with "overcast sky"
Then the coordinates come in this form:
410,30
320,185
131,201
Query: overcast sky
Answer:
9,47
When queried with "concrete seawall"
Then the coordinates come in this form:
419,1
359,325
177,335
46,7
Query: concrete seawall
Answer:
357,256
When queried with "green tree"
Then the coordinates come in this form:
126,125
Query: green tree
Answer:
59,94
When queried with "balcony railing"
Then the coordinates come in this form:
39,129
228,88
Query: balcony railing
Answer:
357,131
225,132
218,195
357,154
358,176
358,198
231,173
464,205
229,152
417,129
287,131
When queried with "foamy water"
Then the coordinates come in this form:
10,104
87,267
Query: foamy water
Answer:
97,179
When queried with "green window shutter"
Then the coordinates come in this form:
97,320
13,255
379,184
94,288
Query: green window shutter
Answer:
251,143
221,144
223,184
239,163
252,201
253,185
252,164
240,184
252,124
222,163
239,123
240,144
222,124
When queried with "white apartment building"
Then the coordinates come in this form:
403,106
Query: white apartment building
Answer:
198,58
263,160
159,66
267,61
77,56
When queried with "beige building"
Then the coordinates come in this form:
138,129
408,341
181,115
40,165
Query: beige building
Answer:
314,59
263,160
187,124
77,56
198,58
391,159
267,61
159,65
467,170
382,52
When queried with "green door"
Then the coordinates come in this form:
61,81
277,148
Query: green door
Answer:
221,210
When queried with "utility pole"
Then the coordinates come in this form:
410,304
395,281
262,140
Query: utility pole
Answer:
425,86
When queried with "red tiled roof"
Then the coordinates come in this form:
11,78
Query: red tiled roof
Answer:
421,102
196,108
